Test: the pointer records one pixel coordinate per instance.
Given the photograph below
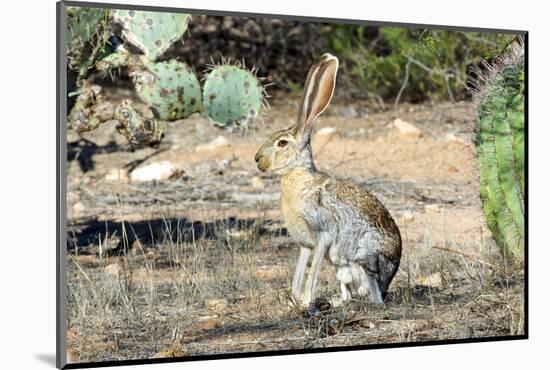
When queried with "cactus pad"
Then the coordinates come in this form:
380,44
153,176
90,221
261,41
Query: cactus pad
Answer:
114,61
151,32
500,148
139,128
170,88
232,97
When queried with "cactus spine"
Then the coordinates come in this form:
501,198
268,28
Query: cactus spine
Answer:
500,149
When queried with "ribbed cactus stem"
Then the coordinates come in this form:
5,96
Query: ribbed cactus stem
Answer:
500,148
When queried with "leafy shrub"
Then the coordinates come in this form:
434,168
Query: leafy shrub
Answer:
410,64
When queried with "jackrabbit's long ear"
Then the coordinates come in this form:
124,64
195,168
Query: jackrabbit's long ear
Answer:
318,91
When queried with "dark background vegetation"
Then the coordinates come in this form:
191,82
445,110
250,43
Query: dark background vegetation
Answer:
386,64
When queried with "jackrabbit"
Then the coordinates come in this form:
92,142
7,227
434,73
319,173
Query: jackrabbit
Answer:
329,215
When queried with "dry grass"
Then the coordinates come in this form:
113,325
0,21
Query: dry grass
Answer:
202,265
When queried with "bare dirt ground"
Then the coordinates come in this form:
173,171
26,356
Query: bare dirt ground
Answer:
200,263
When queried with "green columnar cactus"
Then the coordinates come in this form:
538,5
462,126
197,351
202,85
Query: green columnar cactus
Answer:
500,148
170,88
232,97
151,32
87,34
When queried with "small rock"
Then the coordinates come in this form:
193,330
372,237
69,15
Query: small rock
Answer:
455,140
117,174
113,270
327,132
406,129
325,135
217,143
216,305
79,207
257,183
408,216
156,171
348,112
434,208
432,281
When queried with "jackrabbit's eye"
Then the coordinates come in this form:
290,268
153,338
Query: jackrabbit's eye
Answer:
282,143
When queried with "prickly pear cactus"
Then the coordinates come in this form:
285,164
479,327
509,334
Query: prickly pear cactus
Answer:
89,110
151,32
500,148
140,127
232,97
87,34
114,61
170,88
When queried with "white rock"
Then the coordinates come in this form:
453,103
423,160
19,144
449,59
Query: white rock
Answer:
217,143
157,171
257,183
79,207
453,139
327,131
406,129
117,175
432,208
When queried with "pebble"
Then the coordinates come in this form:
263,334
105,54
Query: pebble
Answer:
156,171
406,129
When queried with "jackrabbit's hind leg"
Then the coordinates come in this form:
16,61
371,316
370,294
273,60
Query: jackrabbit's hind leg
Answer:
367,283
343,275
374,288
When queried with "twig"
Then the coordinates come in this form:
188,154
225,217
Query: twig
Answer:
84,274
404,84
132,165
468,256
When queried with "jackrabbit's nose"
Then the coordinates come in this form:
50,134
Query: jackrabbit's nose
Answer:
257,157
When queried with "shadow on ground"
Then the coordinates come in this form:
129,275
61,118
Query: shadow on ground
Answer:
147,232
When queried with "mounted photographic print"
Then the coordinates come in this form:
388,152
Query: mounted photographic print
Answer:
237,184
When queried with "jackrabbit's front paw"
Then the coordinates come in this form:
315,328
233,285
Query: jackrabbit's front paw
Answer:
305,301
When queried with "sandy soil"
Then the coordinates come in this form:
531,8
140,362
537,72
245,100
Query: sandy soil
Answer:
200,263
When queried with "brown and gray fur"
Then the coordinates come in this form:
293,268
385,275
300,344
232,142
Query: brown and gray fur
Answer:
336,219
